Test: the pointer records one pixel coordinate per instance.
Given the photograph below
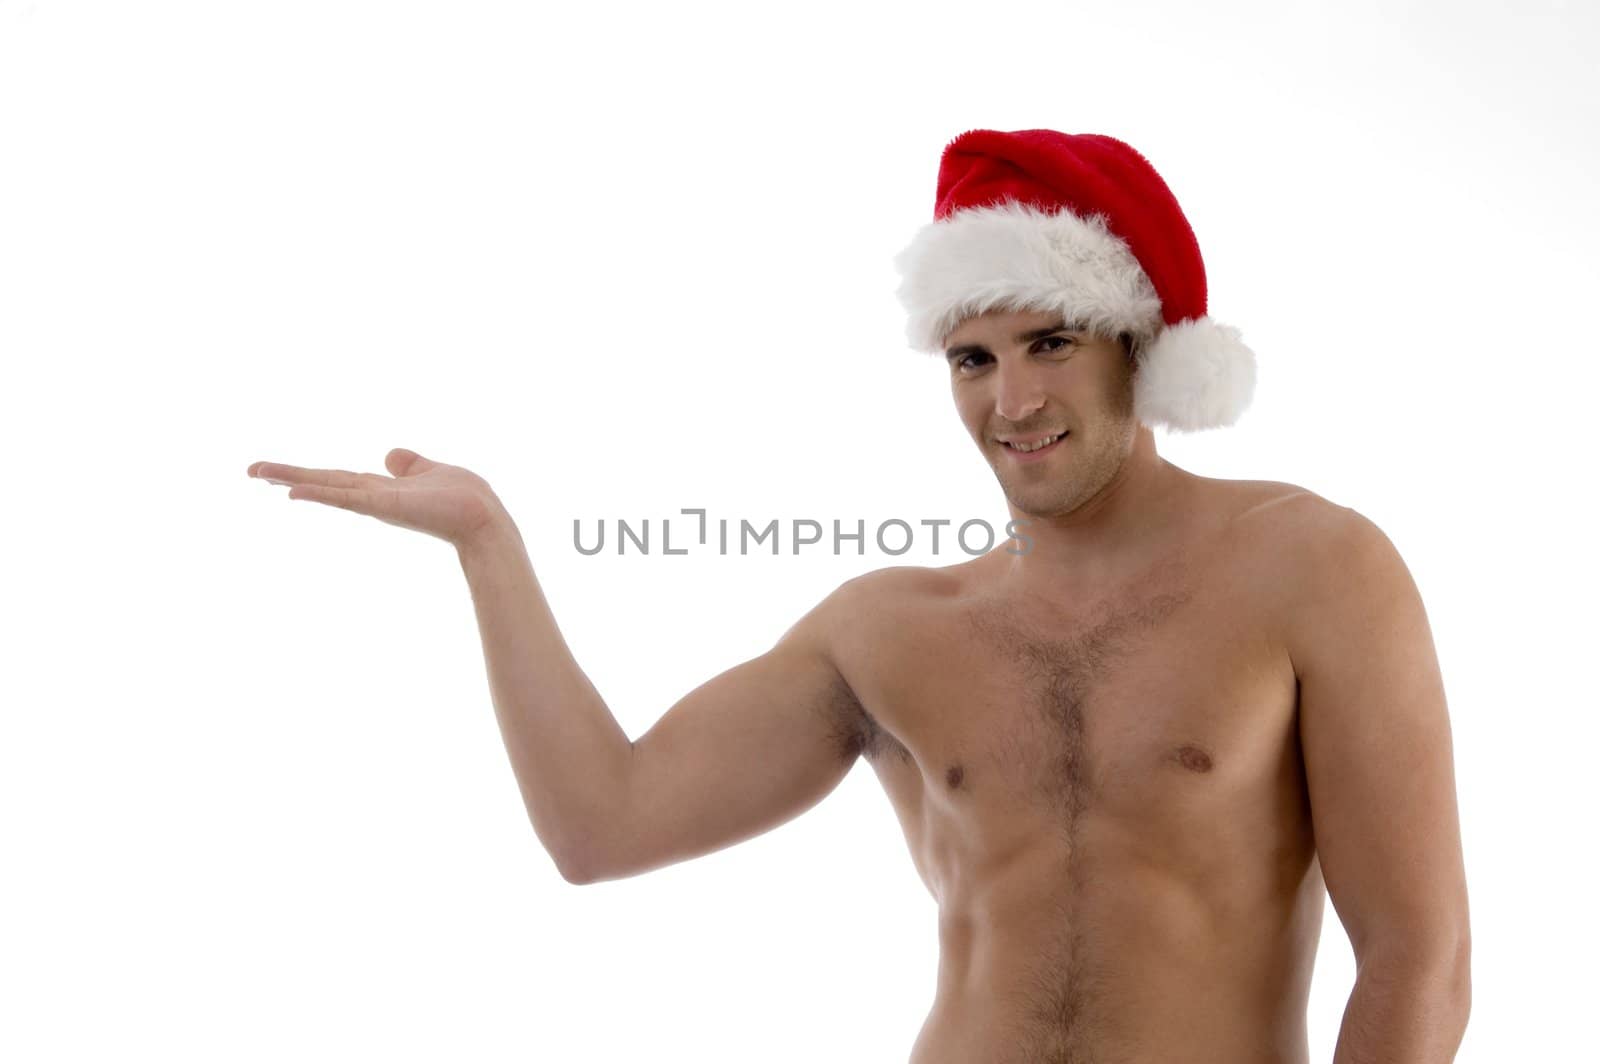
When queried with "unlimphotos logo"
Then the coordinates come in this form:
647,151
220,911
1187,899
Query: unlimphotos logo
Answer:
894,536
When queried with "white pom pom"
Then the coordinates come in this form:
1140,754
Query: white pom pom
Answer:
1196,374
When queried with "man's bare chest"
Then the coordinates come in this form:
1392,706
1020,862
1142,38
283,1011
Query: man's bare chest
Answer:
1162,709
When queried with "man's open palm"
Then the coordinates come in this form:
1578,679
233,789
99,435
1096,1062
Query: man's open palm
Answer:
446,501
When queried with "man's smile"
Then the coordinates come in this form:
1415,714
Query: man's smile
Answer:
1033,448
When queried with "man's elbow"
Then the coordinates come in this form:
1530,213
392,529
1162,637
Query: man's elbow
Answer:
590,866
1459,978
586,856
581,869
1452,983
1438,968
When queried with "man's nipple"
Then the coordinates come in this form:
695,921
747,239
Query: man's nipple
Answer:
1192,758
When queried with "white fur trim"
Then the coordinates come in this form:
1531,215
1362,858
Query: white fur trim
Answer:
1014,256
1197,374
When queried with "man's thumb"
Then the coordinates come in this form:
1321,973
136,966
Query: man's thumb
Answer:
402,462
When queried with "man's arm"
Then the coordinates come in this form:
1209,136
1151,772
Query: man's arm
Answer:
1375,735
567,750
746,751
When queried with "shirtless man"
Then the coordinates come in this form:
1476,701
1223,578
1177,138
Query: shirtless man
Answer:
1128,753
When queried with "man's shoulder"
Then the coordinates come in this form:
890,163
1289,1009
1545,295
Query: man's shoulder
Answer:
1277,515
896,586
1311,553
870,613
879,602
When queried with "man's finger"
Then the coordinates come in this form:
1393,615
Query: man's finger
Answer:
337,478
356,499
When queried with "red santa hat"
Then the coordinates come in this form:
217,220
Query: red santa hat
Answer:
1083,224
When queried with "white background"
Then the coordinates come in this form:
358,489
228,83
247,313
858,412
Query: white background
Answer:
622,259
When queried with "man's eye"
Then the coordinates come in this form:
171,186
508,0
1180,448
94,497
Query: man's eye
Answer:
1065,341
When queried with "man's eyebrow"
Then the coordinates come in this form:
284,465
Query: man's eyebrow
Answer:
1022,338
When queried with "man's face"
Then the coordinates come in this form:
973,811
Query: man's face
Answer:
1019,376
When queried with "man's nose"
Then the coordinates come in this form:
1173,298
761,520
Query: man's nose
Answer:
1018,391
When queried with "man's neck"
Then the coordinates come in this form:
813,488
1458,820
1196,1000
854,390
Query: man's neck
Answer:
1118,528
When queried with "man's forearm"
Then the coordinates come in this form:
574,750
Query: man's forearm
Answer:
567,750
1402,1012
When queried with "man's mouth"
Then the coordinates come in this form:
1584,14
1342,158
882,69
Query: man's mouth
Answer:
1030,448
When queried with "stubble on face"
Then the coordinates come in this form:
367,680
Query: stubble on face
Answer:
1099,444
